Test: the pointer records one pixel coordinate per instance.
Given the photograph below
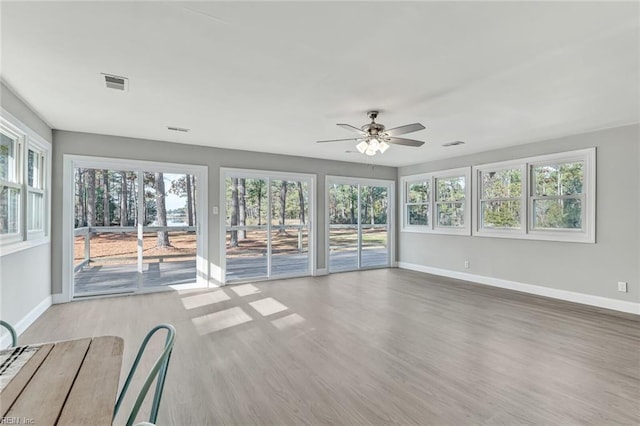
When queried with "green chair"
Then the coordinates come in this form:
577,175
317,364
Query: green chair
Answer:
14,336
159,370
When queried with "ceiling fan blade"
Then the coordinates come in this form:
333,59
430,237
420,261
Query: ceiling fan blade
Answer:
408,128
352,129
339,140
403,141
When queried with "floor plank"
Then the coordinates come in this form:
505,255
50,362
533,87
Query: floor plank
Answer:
373,347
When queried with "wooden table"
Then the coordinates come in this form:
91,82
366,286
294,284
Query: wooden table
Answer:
74,382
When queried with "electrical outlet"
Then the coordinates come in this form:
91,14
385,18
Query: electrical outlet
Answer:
622,286
466,264
215,209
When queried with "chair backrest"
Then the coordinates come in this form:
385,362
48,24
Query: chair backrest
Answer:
159,370
14,336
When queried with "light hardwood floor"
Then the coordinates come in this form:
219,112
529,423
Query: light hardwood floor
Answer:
375,347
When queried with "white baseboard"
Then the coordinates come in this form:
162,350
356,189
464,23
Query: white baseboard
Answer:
585,299
22,325
320,272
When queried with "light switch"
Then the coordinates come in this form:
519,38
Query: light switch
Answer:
215,209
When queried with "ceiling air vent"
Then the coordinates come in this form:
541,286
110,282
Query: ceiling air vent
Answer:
454,143
178,129
116,82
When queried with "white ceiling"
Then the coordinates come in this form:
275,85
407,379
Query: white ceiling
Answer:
275,77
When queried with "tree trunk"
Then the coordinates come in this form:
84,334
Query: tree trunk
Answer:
373,211
242,212
301,198
364,202
123,199
353,205
81,213
260,204
91,197
106,214
189,201
234,211
161,218
283,206
193,199
133,202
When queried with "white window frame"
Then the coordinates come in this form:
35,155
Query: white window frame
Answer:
27,140
39,188
407,203
584,235
433,177
478,229
15,181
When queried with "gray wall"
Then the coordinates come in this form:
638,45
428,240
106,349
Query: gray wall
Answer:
25,276
138,149
592,269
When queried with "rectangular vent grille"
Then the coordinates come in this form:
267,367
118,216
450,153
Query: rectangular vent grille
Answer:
454,143
178,129
116,82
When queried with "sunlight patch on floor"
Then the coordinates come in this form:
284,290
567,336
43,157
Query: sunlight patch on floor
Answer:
220,320
268,306
204,299
245,289
288,321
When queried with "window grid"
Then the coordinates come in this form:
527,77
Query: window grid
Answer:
426,203
455,202
535,196
445,215
573,204
11,186
515,200
23,185
35,190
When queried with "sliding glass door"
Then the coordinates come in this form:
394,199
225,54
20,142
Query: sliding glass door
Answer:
135,226
359,223
268,218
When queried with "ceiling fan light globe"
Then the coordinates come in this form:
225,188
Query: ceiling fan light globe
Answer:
370,152
362,147
383,146
374,144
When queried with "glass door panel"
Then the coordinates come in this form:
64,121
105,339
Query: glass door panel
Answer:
374,211
105,234
289,228
169,234
247,229
343,227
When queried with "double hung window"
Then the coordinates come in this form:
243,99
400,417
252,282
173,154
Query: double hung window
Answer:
24,200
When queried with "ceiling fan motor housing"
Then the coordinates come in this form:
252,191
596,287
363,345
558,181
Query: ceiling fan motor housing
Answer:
373,128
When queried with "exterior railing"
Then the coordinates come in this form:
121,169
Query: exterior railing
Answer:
87,231
299,228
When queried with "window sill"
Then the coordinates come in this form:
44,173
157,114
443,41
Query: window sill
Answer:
560,236
11,248
438,231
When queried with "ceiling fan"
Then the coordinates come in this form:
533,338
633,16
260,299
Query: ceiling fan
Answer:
374,137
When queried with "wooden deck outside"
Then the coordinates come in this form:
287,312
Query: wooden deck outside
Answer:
124,277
